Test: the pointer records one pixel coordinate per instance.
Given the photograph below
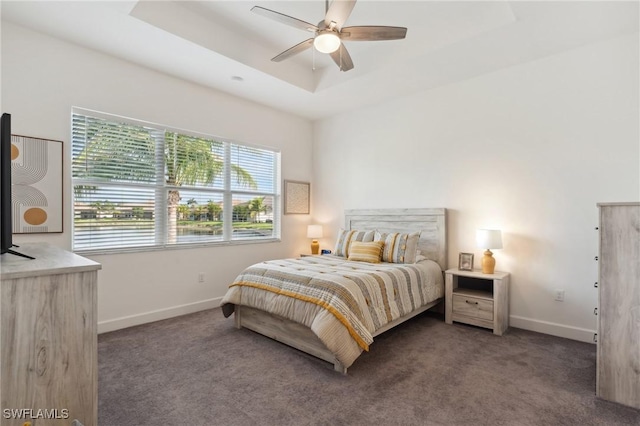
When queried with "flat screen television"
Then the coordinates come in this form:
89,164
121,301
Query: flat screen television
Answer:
6,222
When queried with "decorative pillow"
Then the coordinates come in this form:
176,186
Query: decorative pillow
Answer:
345,238
398,247
366,252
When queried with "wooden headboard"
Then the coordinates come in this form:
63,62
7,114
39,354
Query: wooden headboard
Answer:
431,222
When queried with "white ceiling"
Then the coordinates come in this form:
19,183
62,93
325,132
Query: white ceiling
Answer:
209,42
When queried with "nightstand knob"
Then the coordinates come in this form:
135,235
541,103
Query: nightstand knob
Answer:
595,337
595,284
597,228
471,303
596,258
595,311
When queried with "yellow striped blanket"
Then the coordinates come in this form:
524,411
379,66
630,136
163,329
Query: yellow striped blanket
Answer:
343,302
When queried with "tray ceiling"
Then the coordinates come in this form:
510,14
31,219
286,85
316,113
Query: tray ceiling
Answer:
218,43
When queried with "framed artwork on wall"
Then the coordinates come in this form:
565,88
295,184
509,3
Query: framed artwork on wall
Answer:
296,197
36,173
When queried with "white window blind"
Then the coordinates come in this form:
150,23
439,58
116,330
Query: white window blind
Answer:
138,185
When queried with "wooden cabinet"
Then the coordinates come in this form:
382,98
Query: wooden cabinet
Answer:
49,340
618,362
479,299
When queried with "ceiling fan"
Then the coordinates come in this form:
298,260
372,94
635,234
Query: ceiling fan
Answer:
330,33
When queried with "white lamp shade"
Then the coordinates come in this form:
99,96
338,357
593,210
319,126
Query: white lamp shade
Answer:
489,238
326,42
314,231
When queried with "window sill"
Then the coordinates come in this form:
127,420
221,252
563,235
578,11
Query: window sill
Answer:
90,252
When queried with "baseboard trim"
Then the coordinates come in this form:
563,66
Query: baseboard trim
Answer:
554,329
160,314
546,327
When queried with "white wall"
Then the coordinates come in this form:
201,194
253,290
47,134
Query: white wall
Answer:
529,149
43,78
551,138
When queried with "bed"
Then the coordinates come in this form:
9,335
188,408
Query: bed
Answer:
333,308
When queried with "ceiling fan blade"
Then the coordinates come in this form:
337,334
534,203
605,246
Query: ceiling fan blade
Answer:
372,33
342,58
339,12
284,19
300,47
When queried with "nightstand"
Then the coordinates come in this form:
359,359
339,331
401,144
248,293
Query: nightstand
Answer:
472,297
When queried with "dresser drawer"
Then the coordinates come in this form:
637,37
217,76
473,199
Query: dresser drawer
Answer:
474,307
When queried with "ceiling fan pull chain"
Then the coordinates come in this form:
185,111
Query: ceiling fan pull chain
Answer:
313,59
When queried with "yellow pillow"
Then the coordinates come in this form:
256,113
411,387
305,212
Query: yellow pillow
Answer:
366,252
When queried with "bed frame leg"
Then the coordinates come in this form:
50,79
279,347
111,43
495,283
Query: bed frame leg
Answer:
337,366
236,317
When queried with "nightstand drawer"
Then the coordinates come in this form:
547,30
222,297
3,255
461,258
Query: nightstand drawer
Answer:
473,306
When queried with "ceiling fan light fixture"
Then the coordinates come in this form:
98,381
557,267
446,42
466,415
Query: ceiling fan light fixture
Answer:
329,32
326,42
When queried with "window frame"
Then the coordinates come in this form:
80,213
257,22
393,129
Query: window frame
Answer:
160,186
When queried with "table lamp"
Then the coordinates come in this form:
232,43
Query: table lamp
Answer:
489,239
315,232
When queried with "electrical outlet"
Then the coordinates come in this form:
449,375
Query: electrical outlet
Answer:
201,277
559,295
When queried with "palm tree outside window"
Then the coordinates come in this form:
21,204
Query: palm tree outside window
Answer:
139,185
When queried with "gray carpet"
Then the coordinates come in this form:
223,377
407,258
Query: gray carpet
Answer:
199,370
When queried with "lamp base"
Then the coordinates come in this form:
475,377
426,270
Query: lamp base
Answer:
315,247
488,262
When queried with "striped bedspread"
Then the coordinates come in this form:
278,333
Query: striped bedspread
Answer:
344,303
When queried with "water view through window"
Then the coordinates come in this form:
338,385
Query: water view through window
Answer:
140,186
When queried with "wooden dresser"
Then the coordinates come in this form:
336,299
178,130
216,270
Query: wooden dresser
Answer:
618,364
49,340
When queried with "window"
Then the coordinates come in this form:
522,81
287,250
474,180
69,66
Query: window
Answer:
138,185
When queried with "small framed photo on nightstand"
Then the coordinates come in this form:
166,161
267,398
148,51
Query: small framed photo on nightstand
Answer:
465,262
